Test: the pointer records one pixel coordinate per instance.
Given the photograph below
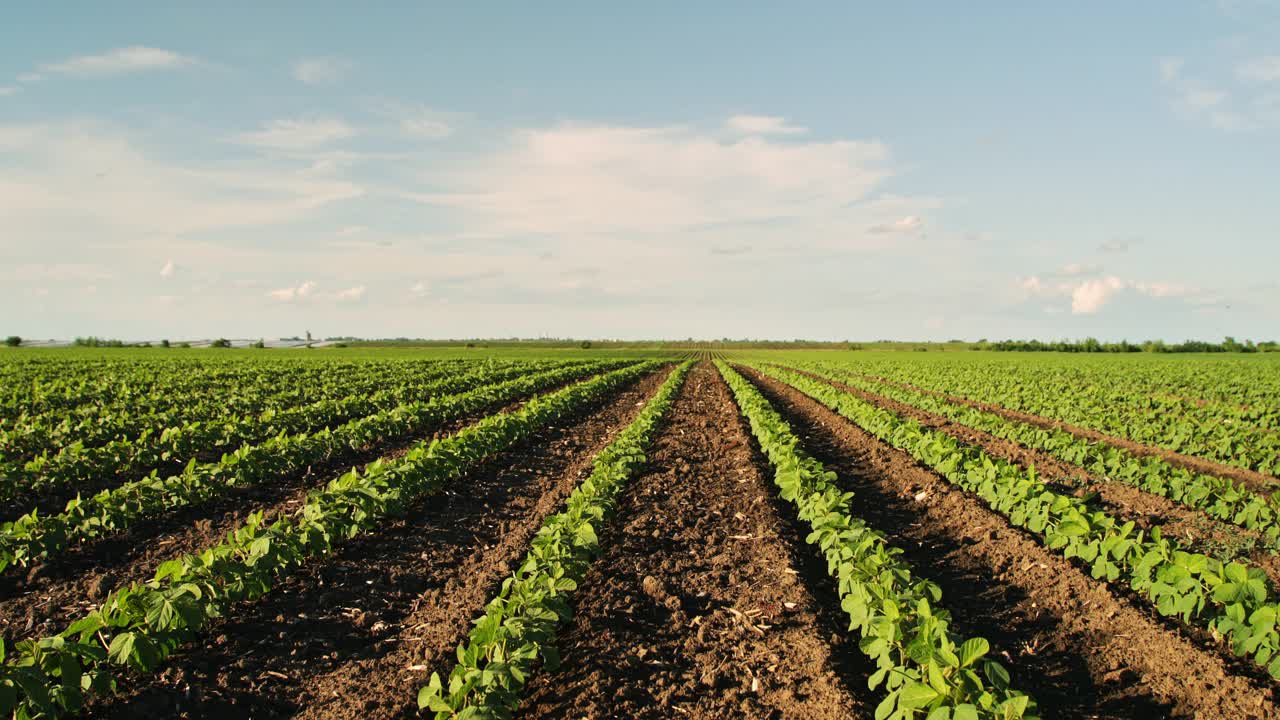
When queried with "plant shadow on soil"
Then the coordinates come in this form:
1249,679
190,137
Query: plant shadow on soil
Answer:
1226,542
56,591
351,609
980,602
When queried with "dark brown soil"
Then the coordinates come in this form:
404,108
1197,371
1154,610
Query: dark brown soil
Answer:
357,634
707,603
1196,530
54,593
1068,640
1253,479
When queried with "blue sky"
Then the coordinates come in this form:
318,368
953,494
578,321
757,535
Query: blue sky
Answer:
822,170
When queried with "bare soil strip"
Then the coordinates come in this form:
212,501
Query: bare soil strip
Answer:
54,593
356,634
1192,527
1081,651
1253,479
702,606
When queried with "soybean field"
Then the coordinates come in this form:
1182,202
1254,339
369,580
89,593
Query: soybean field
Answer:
623,533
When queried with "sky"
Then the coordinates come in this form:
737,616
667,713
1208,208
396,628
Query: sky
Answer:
913,170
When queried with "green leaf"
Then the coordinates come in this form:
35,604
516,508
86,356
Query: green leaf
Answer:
972,649
121,649
916,694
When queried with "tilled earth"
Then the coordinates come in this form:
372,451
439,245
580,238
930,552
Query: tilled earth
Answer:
702,605
706,603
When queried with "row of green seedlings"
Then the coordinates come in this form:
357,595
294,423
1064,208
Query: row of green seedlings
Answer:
210,396
1218,497
518,628
35,536
1232,444
924,669
1230,599
54,391
157,444
122,409
139,626
76,463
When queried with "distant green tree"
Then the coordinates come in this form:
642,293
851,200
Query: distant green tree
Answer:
164,343
260,344
586,345
13,341
220,343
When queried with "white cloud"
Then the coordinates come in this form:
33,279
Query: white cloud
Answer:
298,134
1233,121
8,90
320,70
120,60
1201,98
1119,245
29,78
1216,106
1165,290
1089,297
352,294
575,181
1170,68
419,289
416,120
1260,70
168,270
427,126
96,176
1075,269
910,223
290,294
764,125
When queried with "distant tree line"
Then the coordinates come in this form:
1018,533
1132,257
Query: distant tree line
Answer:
1092,345
92,341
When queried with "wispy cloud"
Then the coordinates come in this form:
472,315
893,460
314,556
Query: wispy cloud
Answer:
168,270
298,134
8,90
290,294
764,125
1119,245
426,126
573,181
351,294
99,176
1217,106
121,60
1077,269
1260,70
908,224
418,120
321,70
